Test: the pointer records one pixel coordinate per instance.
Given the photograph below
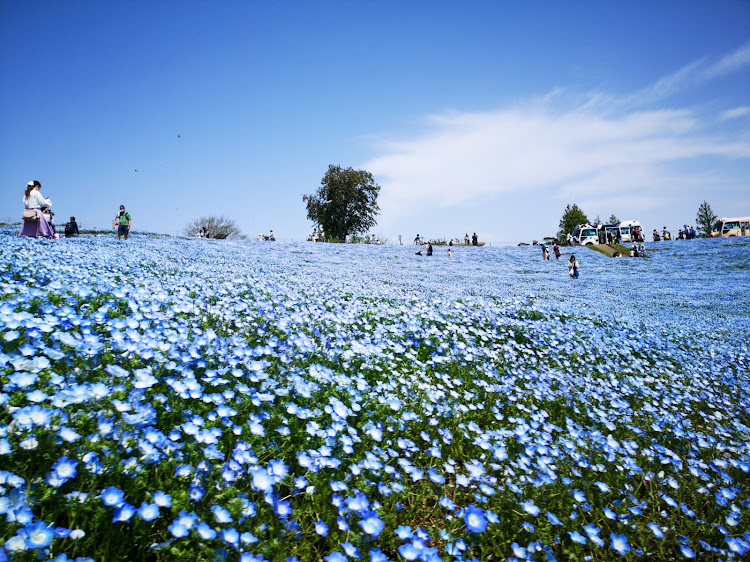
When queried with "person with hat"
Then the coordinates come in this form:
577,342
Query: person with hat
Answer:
34,222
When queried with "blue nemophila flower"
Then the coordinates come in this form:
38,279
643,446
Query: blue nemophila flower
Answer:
474,519
411,550
112,496
161,499
282,508
376,555
592,531
37,535
123,513
65,468
403,532
577,537
230,536
262,481
553,519
686,551
358,502
371,524
204,530
656,530
350,550
321,528
518,550
148,511
530,508
619,543
738,545
220,514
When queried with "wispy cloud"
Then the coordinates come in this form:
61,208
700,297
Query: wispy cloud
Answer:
735,113
732,62
582,151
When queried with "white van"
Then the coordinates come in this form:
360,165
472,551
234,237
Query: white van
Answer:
731,227
628,230
585,235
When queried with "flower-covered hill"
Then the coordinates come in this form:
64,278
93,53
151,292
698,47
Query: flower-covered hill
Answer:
185,399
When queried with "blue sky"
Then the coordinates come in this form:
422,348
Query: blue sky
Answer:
472,116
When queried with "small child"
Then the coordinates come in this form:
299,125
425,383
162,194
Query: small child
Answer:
450,254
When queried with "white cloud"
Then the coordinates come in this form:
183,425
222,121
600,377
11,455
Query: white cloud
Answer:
585,151
730,63
735,113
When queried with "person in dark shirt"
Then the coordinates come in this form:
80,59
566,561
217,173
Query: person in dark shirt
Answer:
71,228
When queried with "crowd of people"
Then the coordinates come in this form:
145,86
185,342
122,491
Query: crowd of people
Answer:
686,233
38,219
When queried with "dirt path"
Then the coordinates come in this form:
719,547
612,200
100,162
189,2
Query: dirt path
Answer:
609,249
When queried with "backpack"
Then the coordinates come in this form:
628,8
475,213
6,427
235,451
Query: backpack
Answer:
68,228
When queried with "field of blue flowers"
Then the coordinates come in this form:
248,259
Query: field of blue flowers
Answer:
188,399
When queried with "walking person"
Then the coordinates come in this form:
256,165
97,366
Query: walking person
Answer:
556,250
34,222
474,239
545,253
122,223
573,267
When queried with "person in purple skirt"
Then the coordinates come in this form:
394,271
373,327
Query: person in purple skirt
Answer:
35,201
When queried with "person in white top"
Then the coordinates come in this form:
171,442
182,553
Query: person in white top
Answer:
33,200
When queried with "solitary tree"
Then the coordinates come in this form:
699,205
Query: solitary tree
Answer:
346,202
705,218
612,219
213,227
572,217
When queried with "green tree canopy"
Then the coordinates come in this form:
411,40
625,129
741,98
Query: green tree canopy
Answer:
346,202
705,218
213,227
572,217
612,219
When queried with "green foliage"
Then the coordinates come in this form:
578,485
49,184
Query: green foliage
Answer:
613,219
345,203
572,217
705,218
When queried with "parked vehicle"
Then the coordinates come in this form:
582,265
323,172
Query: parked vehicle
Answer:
605,230
585,235
730,227
631,231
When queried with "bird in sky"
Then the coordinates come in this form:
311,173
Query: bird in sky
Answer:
136,170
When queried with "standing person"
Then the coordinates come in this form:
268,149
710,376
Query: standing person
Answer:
122,223
33,200
475,239
545,253
71,228
466,239
417,240
272,236
400,243
51,222
450,254
573,267
556,249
